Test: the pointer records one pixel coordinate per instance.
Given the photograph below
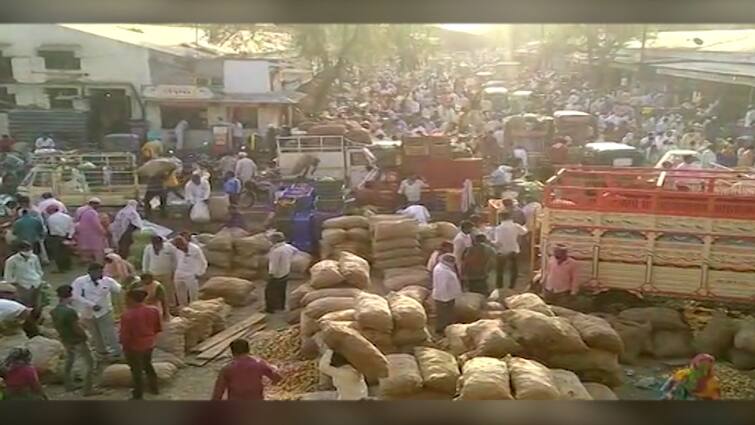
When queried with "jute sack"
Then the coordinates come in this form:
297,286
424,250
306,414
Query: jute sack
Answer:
591,366
341,292
358,351
668,344
528,301
311,326
427,231
636,338
373,312
307,325
300,263
393,244
318,308
346,222
599,391
325,274
531,380
309,349
446,230
661,318
569,385
218,258
403,377
741,359
382,231
456,336
396,253
172,339
468,306
409,337
411,277
382,340
431,244
258,243
539,333
399,262
234,291
333,236
119,375
490,339
597,333
293,301
354,269
358,234
407,312
47,355
415,292
717,337
484,378
745,337
439,369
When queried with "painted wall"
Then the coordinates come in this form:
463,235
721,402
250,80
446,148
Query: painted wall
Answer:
241,76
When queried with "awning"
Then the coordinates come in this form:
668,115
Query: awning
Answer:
727,73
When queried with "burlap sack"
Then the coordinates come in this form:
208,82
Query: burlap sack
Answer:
403,377
745,336
563,311
258,243
669,344
446,230
47,355
399,262
325,274
636,338
661,318
539,333
382,340
494,306
234,291
318,308
309,349
415,292
160,356
569,385
218,258
741,359
599,391
340,292
468,306
407,312
597,333
171,339
439,369
311,326
307,325
119,375
412,277
396,253
354,269
358,234
410,337
373,312
393,244
339,316
456,337
300,263
346,222
484,378
489,338
528,301
382,231
717,337
360,353
431,244
333,236
531,380
591,366
293,301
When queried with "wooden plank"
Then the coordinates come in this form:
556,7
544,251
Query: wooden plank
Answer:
214,351
234,330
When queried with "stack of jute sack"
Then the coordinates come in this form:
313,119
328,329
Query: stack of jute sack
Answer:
409,319
332,290
395,242
346,233
728,338
47,354
218,248
431,235
528,327
202,319
234,291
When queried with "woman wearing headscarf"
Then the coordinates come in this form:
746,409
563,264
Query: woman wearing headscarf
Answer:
21,379
126,222
118,268
696,382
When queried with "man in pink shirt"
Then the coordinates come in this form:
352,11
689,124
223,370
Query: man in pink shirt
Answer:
560,280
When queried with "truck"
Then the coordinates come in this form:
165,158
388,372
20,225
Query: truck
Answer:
632,229
581,127
75,177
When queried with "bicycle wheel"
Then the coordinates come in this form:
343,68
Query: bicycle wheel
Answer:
247,199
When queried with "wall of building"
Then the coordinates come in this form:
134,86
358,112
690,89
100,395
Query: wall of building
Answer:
105,63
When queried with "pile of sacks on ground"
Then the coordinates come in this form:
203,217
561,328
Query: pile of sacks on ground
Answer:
729,339
558,338
233,252
346,233
395,242
48,354
431,235
430,373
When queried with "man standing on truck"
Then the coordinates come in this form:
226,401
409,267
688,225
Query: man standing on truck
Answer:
411,187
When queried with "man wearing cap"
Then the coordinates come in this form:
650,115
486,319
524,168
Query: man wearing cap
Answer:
91,235
279,267
92,298
560,279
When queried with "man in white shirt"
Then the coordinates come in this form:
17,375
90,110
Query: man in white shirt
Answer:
197,189
92,299
48,199
446,288
191,263
246,168
180,132
411,187
462,241
417,212
159,260
521,154
60,229
506,240
44,141
24,271
279,267
349,383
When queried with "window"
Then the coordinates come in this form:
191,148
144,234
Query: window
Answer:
6,68
6,97
195,115
61,98
246,116
60,59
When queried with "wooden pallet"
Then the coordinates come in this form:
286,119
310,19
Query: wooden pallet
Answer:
216,345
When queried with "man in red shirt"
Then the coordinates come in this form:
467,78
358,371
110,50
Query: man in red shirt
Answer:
560,280
242,378
140,325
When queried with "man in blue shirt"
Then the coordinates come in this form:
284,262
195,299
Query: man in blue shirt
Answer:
232,187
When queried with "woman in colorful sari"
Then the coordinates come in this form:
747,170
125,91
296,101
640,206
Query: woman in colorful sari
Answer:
91,235
126,222
156,294
21,379
696,382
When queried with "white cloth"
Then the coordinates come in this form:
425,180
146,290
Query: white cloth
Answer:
467,196
462,241
180,131
61,224
521,153
127,216
44,143
349,383
412,191
194,193
446,285
46,203
506,237
246,169
279,259
417,212
86,295
162,263
10,310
